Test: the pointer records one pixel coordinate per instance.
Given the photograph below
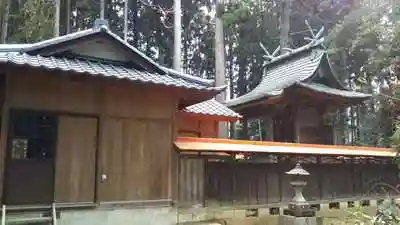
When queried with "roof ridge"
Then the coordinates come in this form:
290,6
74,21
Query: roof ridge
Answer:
280,77
107,69
188,76
316,44
58,39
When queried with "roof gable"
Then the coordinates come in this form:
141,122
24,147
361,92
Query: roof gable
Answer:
279,76
96,42
307,64
98,51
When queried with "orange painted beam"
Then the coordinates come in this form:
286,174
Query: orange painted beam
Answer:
228,145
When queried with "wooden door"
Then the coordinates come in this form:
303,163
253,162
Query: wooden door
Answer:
29,172
121,149
134,159
76,159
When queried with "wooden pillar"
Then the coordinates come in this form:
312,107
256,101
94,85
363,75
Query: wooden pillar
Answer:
244,134
320,174
269,128
3,131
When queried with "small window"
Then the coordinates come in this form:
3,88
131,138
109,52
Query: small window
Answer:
33,135
19,148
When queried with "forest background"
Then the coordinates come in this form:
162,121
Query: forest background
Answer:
362,37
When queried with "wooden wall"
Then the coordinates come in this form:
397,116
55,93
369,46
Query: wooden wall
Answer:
309,127
191,178
196,126
250,183
191,181
105,127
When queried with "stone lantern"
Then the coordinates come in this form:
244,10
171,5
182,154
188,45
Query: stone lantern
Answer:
299,207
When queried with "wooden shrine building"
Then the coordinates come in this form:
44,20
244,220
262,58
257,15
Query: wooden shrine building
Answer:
297,98
98,133
88,122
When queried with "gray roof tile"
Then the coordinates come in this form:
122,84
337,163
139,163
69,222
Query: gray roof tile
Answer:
282,75
103,69
213,108
333,91
34,49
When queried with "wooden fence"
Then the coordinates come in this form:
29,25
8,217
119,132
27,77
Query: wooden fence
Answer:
232,183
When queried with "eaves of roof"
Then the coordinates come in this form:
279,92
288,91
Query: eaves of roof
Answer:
283,75
36,48
212,108
333,91
101,69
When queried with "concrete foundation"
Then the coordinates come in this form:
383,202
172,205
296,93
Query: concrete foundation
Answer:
148,216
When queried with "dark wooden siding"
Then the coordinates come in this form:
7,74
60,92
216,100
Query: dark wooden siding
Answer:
191,181
248,184
76,159
135,126
134,155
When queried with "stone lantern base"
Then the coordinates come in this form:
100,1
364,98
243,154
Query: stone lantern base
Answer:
291,220
299,210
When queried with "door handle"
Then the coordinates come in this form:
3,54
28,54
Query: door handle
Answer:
103,177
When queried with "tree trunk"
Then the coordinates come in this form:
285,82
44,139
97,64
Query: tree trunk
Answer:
177,35
4,24
102,9
126,20
68,17
134,8
230,70
284,24
220,62
56,28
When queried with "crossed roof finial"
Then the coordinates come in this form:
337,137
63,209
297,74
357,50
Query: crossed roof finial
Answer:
314,39
269,56
314,36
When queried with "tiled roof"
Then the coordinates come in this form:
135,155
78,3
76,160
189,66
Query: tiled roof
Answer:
282,75
297,67
333,91
103,69
36,48
213,108
39,55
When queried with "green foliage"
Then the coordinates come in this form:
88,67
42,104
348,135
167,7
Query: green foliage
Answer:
387,214
36,22
363,49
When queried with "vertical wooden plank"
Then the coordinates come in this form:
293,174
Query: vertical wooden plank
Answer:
357,187
158,149
180,181
173,158
286,189
110,155
312,191
134,160
201,180
262,183
326,181
273,190
3,132
188,175
76,159
269,129
253,184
